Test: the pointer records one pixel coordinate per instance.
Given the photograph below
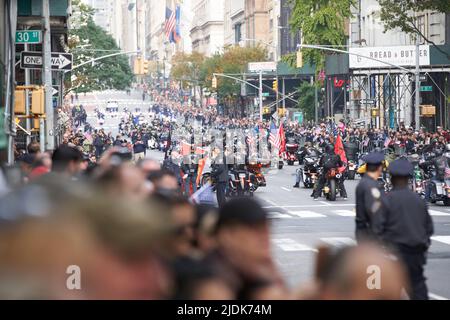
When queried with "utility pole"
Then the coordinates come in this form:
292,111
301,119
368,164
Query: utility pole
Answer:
47,78
260,96
316,108
27,99
417,103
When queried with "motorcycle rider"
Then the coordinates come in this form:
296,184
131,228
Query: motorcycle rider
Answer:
441,163
306,151
190,171
329,160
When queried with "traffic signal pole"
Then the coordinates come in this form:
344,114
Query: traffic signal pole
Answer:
260,96
47,79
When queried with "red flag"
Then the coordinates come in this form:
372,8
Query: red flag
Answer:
339,149
282,139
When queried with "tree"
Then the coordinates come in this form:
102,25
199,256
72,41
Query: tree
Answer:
187,67
88,41
321,22
306,102
397,14
233,60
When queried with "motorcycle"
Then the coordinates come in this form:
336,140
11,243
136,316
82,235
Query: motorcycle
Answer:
257,177
331,188
291,153
440,191
239,183
310,172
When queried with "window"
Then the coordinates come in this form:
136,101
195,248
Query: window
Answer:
237,32
422,27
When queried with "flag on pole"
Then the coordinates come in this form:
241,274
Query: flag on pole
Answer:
170,22
176,31
339,149
277,137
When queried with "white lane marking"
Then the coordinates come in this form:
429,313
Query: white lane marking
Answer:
286,189
443,239
339,241
436,297
274,205
345,213
307,214
307,206
325,203
278,215
291,245
436,213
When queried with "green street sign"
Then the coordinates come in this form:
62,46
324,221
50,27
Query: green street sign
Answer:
426,88
29,36
265,94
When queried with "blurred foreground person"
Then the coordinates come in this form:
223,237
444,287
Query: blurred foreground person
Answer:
66,161
364,272
406,225
243,253
116,247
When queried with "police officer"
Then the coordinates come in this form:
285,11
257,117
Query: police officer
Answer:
219,172
405,224
368,196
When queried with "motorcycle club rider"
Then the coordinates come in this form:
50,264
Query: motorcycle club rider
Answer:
441,163
329,160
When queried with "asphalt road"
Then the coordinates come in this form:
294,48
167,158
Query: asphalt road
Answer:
299,223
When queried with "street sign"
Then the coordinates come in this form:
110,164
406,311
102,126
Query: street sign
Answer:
262,66
426,88
33,60
29,36
367,101
266,94
422,78
55,90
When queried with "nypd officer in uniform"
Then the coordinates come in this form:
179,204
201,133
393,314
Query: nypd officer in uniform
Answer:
368,196
405,225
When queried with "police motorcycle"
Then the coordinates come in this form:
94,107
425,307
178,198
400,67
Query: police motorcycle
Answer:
256,175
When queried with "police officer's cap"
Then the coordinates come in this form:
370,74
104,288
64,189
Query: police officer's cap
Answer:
401,168
374,158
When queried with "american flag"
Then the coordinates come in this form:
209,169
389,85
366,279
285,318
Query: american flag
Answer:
387,142
276,137
447,173
170,22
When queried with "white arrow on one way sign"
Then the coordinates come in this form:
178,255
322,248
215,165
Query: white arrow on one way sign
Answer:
61,61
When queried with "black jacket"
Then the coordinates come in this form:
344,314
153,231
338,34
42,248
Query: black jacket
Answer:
404,220
368,204
219,171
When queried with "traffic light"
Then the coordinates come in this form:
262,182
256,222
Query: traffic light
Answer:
145,65
138,66
37,101
19,102
281,112
214,82
275,85
299,59
266,110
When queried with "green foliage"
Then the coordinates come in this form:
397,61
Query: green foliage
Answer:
321,22
88,41
187,67
306,100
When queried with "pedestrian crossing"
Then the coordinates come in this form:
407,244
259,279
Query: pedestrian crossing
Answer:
311,214
439,243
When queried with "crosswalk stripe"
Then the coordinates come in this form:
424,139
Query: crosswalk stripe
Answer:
438,213
345,213
443,239
307,214
291,245
278,215
339,241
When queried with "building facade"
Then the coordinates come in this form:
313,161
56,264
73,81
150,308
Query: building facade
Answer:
384,95
207,31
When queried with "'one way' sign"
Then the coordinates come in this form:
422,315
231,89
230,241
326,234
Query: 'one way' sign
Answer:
34,60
